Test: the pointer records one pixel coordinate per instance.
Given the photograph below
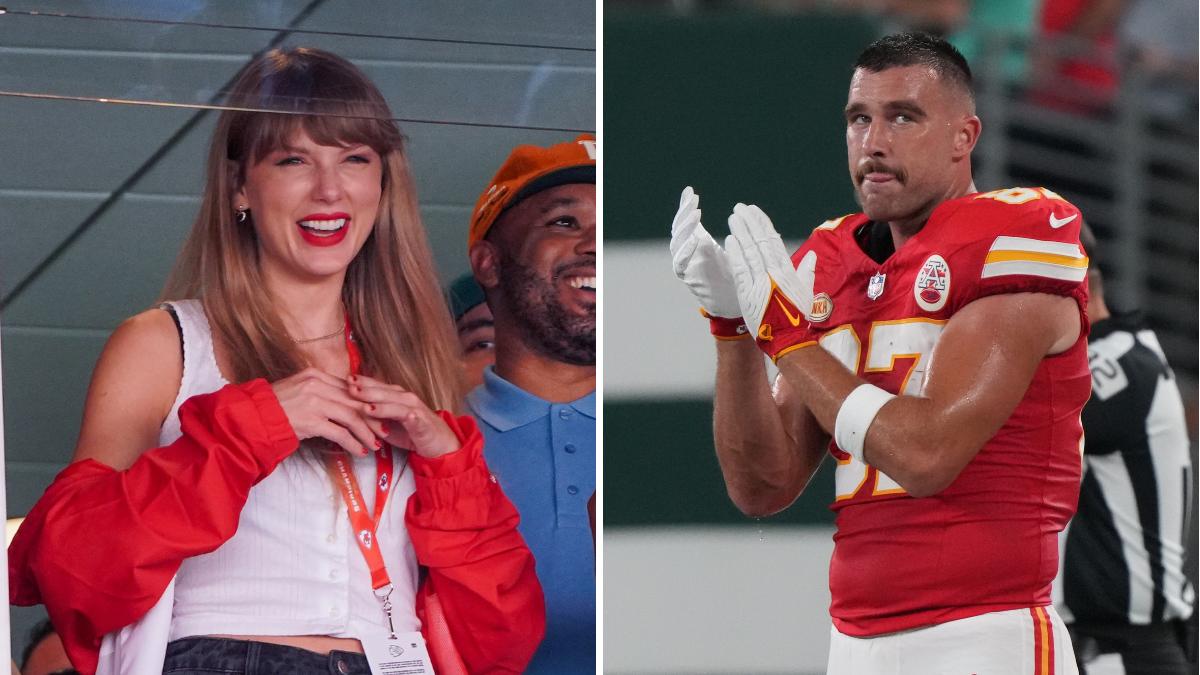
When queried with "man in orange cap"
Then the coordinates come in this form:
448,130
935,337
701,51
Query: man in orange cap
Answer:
533,250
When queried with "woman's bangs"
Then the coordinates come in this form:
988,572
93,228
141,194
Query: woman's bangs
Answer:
333,105
265,133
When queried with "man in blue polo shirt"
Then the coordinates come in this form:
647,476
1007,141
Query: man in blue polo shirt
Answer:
533,250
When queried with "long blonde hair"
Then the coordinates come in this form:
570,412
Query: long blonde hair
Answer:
391,291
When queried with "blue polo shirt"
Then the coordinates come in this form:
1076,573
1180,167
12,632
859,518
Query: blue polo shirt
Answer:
544,455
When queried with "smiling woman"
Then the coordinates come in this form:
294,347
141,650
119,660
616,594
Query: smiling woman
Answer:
307,175
220,425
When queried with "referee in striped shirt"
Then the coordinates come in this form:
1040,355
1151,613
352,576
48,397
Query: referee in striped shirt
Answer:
1123,592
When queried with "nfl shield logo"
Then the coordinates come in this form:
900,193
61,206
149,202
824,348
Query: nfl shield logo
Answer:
875,286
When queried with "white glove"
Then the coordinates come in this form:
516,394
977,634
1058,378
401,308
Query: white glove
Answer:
700,262
762,270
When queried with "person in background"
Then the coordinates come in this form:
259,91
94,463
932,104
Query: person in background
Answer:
1074,58
476,329
532,246
1123,590
44,655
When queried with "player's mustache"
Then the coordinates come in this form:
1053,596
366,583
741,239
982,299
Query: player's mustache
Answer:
874,166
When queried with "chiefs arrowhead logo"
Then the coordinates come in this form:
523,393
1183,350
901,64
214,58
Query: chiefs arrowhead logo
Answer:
932,288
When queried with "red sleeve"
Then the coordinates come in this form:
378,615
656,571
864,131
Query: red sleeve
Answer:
1029,247
464,531
822,244
101,545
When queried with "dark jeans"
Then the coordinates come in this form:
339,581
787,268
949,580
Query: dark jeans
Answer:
197,655
1156,649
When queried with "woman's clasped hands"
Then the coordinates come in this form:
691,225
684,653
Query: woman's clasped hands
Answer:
360,414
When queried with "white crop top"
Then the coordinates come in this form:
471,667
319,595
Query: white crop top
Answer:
292,568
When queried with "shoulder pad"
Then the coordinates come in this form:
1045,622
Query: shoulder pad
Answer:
833,223
1019,199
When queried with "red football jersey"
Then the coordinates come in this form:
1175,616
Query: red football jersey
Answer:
988,542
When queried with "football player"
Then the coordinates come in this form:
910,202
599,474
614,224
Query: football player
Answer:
935,346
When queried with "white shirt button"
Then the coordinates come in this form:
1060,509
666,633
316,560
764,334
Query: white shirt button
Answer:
333,574
331,538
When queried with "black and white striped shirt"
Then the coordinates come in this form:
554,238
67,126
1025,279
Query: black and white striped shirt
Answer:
1124,553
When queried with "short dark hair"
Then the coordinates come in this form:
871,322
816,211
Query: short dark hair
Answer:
1088,240
918,49
1091,247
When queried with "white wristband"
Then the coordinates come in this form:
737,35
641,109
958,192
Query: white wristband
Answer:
855,416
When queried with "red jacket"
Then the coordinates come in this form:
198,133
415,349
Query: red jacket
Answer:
101,546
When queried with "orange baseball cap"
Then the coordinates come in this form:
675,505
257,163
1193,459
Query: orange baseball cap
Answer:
529,170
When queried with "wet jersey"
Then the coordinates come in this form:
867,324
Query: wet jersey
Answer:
988,542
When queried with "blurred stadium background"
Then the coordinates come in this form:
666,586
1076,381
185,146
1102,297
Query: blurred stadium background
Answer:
742,100
481,77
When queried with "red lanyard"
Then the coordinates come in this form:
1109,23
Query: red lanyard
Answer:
365,527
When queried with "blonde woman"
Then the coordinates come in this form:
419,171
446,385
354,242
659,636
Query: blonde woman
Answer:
266,525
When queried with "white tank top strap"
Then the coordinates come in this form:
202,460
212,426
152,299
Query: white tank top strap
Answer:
200,371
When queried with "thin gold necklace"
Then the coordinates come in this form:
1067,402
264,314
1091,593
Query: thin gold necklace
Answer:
335,333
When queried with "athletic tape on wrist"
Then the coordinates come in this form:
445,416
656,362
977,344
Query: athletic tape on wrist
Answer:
855,416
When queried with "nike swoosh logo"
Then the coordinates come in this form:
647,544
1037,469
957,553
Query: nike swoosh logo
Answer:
1057,223
794,320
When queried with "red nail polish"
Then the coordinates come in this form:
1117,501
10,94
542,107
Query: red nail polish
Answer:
378,444
371,407
384,428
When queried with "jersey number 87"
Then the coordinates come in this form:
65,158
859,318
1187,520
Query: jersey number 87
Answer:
890,346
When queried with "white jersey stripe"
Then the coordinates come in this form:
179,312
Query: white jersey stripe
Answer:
1037,269
1036,246
1056,589
1167,438
1117,488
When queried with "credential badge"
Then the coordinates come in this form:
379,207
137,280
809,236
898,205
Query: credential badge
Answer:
875,286
932,288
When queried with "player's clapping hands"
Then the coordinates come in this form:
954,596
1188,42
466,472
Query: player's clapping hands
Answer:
775,298
700,262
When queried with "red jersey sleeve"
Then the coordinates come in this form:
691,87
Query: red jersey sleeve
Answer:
1022,240
825,243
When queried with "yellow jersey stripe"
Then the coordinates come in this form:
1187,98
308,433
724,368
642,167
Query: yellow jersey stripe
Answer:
1026,256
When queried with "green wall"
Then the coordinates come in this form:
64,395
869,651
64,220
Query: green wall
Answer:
743,108
660,467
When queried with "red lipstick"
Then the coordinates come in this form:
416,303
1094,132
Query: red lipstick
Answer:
321,229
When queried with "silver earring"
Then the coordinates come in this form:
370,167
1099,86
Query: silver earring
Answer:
241,214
